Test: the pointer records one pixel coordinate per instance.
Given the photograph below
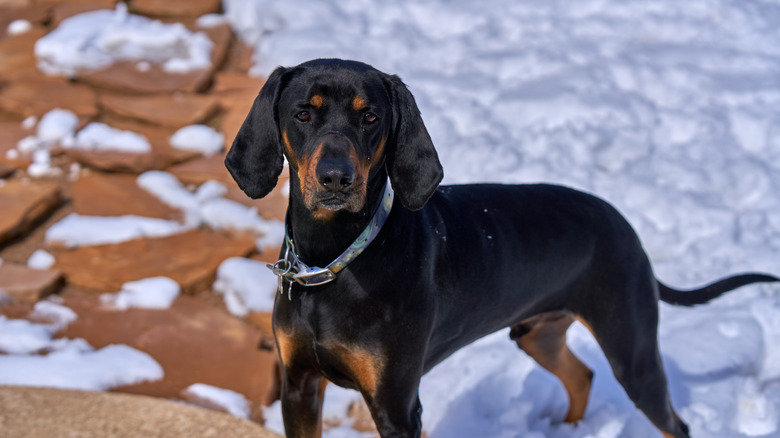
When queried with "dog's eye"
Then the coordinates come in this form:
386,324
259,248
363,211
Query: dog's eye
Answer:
370,118
303,116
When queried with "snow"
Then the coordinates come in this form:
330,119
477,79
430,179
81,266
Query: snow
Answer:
57,314
77,230
246,285
33,357
148,293
101,137
76,365
56,125
97,39
667,109
231,401
18,336
40,259
18,27
199,138
205,205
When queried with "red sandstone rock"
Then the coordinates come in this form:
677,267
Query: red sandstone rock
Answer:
175,110
6,170
17,59
25,284
98,194
232,81
193,341
22,11
161,156
35,96
191,259
125,77
175,8
200,170
23,204
69,8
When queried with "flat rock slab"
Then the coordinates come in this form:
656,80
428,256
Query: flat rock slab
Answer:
99,194
125,76
176,111
176,8
191,259
10,12
192,340
37,95
25,284
49,412
6,169
17,59
161,156
232,81
67,8
200,170
23,204
237,104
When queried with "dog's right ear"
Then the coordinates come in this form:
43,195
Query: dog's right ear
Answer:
255,159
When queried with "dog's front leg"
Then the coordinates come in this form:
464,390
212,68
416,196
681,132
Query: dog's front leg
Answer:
301,397
396,409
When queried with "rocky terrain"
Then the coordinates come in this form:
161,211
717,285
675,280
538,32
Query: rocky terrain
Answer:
195,340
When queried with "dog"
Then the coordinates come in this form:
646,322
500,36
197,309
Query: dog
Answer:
381,281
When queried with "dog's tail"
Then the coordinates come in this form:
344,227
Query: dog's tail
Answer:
711,291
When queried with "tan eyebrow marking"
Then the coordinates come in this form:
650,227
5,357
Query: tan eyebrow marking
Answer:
358,103
316,101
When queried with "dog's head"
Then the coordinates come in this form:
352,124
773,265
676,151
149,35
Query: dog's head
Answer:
341,125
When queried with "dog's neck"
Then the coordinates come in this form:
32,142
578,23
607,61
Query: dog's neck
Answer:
319,241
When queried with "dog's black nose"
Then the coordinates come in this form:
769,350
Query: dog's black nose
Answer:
335,175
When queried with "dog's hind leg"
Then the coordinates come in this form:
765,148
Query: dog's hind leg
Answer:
626,328
543,337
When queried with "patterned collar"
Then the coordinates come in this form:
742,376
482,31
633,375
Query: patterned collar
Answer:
292,269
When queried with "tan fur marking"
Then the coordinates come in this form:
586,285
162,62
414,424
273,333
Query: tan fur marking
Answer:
545,342
358,103
307,173
288,148
365,367
323,214
379,151
286,345
316,101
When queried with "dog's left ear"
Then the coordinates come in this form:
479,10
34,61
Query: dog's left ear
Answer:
412,161
255,159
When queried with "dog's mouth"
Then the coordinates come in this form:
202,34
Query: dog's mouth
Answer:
350,201
333,203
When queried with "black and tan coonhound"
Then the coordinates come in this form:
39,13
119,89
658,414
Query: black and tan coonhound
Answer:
378,285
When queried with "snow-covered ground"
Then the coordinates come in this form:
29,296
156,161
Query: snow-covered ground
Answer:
670,110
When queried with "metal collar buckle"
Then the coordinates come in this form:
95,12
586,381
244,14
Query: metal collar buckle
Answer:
314,276
292,269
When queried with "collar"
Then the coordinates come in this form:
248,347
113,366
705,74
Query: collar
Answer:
291,268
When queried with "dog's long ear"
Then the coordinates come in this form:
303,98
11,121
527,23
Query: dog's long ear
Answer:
412,161
255,159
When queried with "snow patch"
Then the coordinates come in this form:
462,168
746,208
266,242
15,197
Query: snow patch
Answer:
97,39
18,27
246,285
148,293
199,138
76,230
100,137
233,402
40,259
